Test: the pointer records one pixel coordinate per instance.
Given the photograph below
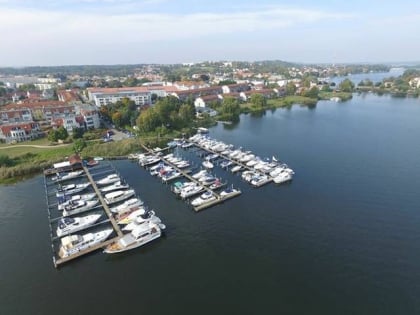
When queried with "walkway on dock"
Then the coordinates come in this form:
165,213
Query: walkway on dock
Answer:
249,168
108,212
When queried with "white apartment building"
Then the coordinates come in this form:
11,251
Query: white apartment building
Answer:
104,96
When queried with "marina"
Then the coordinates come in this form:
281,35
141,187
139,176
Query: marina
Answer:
74,233
95,201
192,190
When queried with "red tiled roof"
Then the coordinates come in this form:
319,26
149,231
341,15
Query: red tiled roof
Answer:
5,129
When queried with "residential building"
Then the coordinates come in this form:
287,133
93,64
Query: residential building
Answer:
90,116
19,132
15,116
104,96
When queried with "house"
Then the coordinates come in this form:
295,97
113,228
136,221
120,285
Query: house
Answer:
90,116
68,96
235,88
69,122
267,93
19,132
15,116
204,101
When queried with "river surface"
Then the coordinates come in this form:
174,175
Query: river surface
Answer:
342,238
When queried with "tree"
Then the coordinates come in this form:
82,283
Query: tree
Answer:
79,145
53,135
346,86
116,118
62,133
312,92
78,133
187,113
230,109
258,100
290,88
6,161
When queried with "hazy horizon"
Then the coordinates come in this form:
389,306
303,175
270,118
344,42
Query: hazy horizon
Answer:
111,32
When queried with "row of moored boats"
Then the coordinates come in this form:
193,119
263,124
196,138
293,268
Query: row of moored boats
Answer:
139,224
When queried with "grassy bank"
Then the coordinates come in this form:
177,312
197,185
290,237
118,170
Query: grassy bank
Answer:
26,161
344,96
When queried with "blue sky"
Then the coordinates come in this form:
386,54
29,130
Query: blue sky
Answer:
65,32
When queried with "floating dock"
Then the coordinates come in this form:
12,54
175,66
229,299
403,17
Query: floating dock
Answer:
102,204
219,199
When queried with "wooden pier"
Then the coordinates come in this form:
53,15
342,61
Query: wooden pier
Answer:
244,166
216,201
110,219
219,198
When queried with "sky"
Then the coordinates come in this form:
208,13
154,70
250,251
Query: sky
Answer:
77,32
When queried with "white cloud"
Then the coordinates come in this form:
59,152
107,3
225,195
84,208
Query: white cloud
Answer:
37,25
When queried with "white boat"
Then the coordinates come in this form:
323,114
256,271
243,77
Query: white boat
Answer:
207,180
170,176
110,179
212,157
127,205
61,178
114,186
71,225
71,189
204,198
260,180
73,244
98,158
208,164
144,219
66,200
236,168
190,191
149,160
132,216
226,164
229,192
118,195
217,184
136,238
79,206
182,164
253,162
178,186
282,177
199,174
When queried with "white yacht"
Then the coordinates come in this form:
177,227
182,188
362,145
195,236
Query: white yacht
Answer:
203,199
115,186
199,174
229,192
118,195
282,177
73,244
131,216
71,189
190,191
79,206
236,168
146,218
127,205
208,164
71,225
110,179
136,238
61,178
66,200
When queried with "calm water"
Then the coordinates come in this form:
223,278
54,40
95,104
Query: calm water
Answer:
374,76
342,238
